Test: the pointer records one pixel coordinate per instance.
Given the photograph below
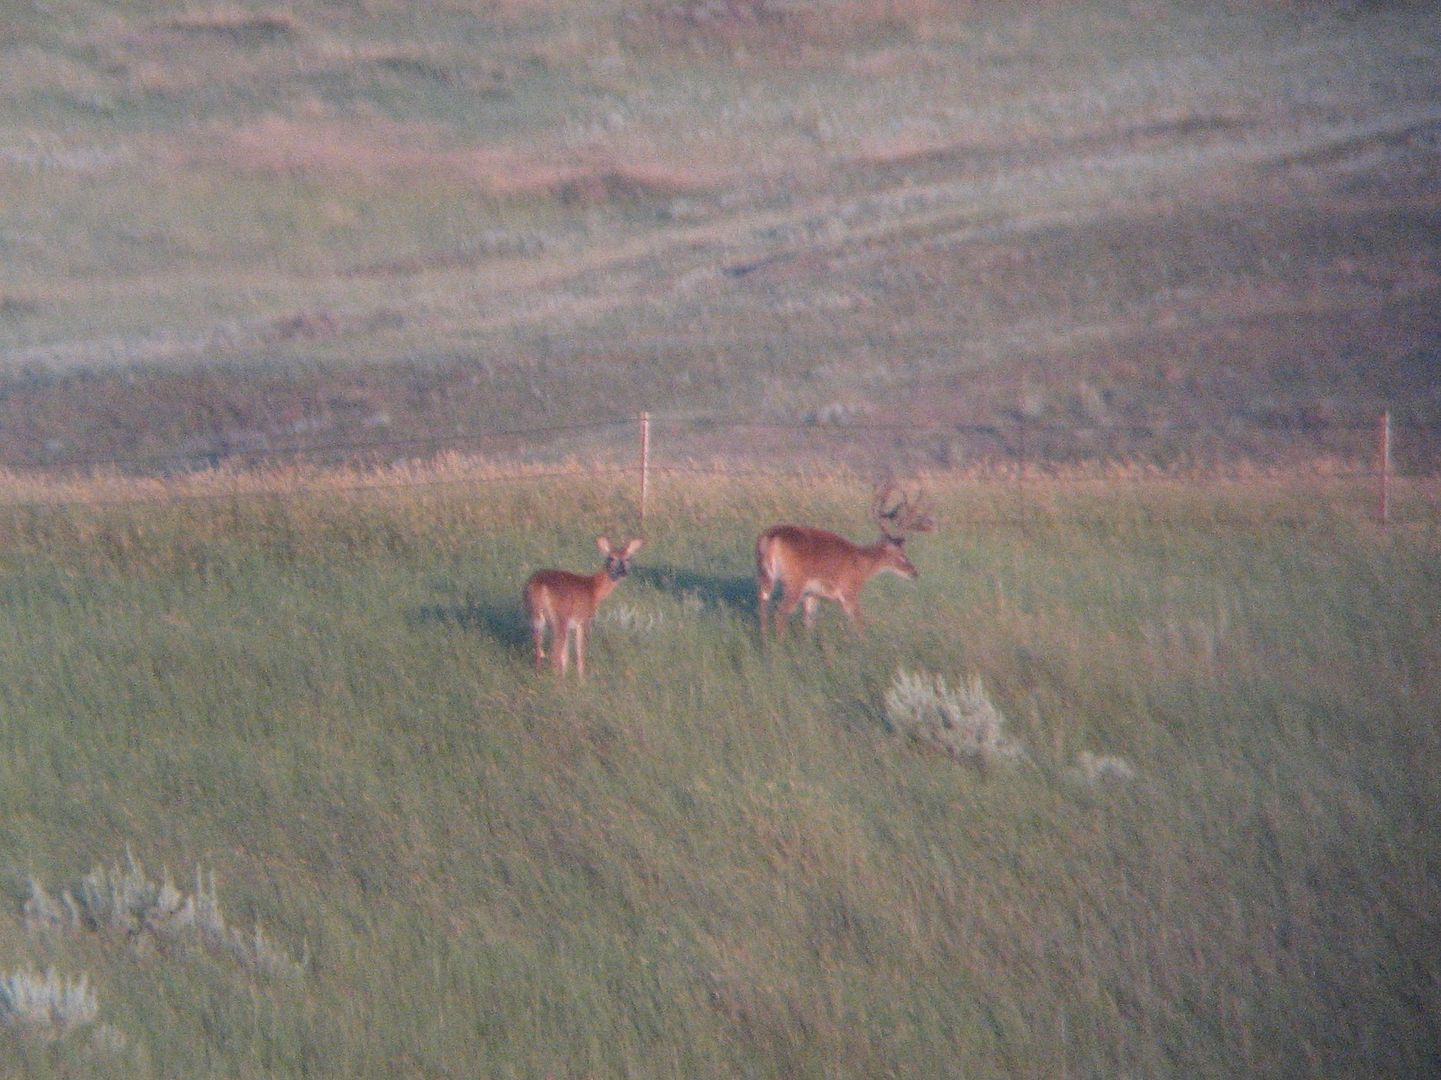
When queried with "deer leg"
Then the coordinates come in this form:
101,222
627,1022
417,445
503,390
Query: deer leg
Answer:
808,611
560,649
537,637
858,620
764,585
788,603
580,650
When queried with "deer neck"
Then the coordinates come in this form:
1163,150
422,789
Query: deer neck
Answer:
876,553
879,557
602,584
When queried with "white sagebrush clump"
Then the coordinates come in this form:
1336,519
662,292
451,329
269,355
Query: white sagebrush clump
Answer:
630,619
124,900
1096,770
961,722
48,1003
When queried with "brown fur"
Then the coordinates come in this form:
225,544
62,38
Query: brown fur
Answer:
567,602
811,564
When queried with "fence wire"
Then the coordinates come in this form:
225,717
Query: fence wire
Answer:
739,447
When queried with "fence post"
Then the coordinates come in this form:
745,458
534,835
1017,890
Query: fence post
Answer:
1384,510
644,464
1021,474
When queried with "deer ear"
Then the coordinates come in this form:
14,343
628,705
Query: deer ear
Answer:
631,548
604,545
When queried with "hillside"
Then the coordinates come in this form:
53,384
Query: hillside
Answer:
247,227
323,325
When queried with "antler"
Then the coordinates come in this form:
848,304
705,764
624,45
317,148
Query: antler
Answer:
913,513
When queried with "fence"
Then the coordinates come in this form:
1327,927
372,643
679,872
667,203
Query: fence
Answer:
649,445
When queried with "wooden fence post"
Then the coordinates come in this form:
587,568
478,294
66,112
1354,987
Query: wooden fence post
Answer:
1021,474
1384,463
644,464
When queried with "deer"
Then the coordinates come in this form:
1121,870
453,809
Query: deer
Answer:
813,564
567,602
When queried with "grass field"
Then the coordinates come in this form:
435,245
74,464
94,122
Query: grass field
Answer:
310,313
713,858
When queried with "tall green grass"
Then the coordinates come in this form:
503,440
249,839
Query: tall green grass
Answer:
713,858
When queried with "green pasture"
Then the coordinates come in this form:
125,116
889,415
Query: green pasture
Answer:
713,858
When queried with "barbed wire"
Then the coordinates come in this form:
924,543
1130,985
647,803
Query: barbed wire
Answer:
1034,471
330,488
1026,464
1015,429
326,489
351,447
1158,427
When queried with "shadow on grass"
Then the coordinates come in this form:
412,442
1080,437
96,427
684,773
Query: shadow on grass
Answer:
714,589
504,622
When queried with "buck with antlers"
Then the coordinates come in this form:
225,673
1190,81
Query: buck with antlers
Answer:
567,602
812,564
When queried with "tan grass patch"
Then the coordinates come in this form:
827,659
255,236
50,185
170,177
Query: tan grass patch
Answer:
27,70
110,487
704,481
382,151
772,26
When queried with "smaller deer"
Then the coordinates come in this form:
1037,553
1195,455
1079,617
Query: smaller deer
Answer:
566,603
812,564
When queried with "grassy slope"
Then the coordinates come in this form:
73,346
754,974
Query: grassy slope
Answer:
221,229
714,860
399,219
